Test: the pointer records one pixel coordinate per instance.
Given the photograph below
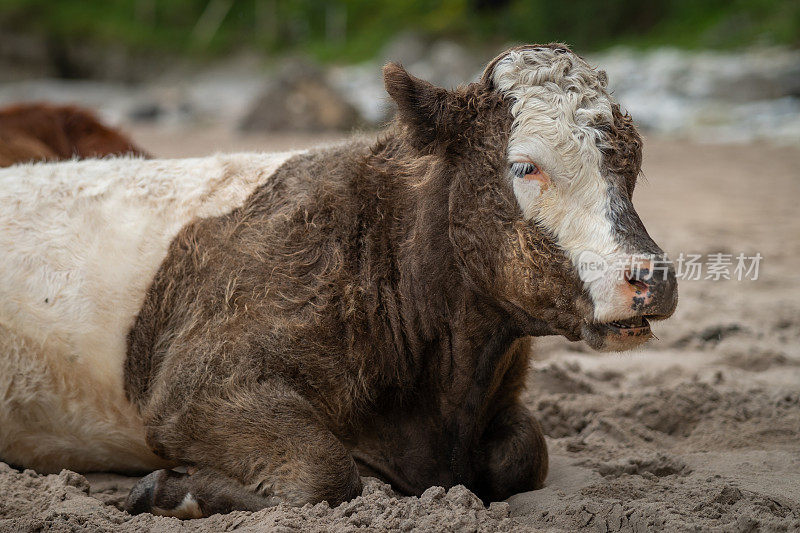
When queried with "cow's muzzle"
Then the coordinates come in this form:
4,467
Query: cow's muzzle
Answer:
643,294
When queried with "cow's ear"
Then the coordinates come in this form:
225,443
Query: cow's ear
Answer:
421,106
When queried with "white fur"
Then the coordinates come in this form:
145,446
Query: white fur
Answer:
559,102
188,508
80,242
527,193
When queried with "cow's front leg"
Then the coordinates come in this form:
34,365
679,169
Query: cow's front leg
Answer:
203,493
513,455
269,440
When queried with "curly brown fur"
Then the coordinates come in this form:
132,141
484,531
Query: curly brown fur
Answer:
623,148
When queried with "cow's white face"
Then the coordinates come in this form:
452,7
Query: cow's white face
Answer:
560,149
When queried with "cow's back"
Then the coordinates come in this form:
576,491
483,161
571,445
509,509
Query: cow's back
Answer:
80,242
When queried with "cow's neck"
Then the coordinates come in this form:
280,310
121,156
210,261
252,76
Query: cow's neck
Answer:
435,300
455,348
447,322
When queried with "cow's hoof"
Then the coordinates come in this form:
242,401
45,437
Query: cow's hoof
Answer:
140,499
164,493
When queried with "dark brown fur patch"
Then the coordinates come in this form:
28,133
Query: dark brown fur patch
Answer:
622,154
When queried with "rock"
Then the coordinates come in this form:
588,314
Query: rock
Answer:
301,99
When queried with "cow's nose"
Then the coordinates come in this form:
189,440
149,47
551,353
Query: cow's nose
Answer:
652,288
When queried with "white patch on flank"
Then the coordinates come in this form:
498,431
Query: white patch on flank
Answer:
558,104
80,243
188,508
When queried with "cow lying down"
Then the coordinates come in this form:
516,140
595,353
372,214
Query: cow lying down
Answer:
45,132
284,323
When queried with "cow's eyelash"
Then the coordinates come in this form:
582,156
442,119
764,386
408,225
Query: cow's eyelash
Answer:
521,169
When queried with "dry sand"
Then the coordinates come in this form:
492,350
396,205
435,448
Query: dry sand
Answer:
697,430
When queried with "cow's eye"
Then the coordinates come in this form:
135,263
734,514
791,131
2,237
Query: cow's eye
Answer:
521,170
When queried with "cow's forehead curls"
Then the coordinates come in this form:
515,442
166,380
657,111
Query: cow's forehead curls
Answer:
560,89
553,67
532,54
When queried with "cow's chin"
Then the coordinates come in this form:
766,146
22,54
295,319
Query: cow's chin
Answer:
616,337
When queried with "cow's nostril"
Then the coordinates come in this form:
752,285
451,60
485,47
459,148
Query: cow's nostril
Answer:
634,275
638,284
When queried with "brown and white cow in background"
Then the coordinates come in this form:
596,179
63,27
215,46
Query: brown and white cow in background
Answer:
47,132
284,323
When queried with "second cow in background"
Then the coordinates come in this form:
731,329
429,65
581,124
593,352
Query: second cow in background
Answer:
44,132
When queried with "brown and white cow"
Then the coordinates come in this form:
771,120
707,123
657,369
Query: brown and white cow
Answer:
47,132
284,323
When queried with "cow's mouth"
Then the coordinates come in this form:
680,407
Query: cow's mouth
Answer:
619,335
635,326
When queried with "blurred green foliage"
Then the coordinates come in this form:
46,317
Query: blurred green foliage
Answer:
349,30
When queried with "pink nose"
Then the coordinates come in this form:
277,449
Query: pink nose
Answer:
650,290
637,286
